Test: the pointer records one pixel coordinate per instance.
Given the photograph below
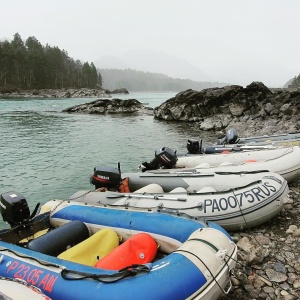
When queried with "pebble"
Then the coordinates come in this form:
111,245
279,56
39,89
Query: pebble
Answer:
268,265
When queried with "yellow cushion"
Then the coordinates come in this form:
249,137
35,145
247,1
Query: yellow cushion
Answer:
92,249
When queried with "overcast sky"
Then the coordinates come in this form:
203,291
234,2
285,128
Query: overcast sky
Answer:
235,41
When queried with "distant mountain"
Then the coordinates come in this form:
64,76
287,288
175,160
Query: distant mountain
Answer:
137,81
155,62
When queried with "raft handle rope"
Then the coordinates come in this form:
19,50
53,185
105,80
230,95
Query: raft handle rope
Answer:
69,199
129,271
132,270
31,258
212,275
247,226
289,150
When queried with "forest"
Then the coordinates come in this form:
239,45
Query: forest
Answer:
30,65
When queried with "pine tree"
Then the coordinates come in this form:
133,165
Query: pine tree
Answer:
31,65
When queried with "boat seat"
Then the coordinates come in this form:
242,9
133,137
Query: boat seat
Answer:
179,190
150,188
89,251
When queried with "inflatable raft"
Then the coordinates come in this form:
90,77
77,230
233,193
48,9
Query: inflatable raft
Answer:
283,139
194,259
235,201
284,161
232,143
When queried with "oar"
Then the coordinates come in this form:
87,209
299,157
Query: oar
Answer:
155,197
250,147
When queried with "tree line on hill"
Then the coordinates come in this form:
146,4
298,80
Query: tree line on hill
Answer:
30,65
137,81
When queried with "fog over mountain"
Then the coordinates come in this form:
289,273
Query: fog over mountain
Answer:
154,62
230,41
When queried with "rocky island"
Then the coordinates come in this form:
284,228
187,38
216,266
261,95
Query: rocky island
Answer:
113,106
251,110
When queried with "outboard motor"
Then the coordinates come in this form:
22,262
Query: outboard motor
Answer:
107,177
194,147
14,208
164,158
231,137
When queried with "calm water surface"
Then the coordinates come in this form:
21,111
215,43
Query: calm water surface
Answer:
46,154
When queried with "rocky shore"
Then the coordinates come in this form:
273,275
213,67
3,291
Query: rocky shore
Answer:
268,265
252,109
61,93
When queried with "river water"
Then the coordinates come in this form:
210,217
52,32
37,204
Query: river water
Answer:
46,154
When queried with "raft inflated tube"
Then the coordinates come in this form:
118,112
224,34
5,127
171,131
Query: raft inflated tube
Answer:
59,239
139,249
92,249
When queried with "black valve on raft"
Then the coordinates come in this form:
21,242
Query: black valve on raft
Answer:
164,158
15,210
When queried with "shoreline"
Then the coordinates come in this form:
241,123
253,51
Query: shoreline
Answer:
61,93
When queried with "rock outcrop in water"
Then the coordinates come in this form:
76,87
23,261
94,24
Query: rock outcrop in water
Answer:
114,106
234,106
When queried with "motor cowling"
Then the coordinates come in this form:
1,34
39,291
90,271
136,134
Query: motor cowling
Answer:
194,146
108,177
14,208
164,158
231,137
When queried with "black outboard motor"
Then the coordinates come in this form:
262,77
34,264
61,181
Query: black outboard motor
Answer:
107,177
231,137
164,158
194,147
14,208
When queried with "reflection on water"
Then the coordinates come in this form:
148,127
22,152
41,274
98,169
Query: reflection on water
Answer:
47,155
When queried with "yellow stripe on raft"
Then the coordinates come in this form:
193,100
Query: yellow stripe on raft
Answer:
92,249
